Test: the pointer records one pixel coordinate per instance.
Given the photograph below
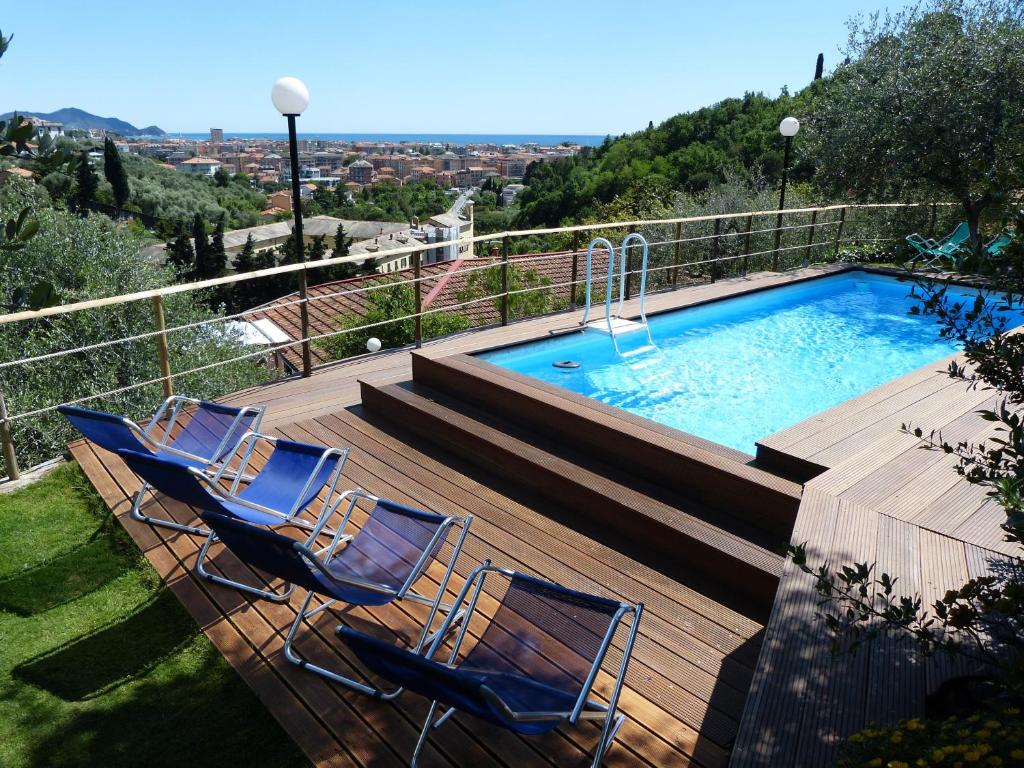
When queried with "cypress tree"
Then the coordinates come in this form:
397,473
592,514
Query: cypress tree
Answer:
202,245
180,254
86,182
246,259
341,242
115,173
317,250
819,68
216,257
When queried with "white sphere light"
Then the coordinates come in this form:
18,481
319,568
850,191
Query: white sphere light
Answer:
290,96
789,126
373,344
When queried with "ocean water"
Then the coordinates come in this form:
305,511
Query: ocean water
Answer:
422,138
741,369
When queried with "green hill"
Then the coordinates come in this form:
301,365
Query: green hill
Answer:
689,152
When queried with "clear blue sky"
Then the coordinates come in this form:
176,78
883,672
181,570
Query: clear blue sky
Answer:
466,66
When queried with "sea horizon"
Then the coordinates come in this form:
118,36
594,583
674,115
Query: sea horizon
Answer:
544,139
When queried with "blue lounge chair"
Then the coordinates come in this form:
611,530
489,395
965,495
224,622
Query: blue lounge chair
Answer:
377,566
531,670
189,432
289,482
938,251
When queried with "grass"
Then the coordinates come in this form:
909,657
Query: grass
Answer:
99,663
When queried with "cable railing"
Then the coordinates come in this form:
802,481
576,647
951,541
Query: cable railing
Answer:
683,251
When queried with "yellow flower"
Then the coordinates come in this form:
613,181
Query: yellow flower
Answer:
897,764
995,760
876,763
914,725
983,734
1011,711
897,737
972,757
921,762
1017,754
992,723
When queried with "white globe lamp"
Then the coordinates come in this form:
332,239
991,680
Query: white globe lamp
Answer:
373,344
290,96
789,126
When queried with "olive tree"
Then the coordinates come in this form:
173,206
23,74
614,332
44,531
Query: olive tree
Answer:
90,257
930,101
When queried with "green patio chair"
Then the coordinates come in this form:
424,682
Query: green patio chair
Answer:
935,252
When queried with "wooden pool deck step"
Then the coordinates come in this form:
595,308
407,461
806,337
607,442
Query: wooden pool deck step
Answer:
718,477
723,557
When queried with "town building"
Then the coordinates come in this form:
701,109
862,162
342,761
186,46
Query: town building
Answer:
200,166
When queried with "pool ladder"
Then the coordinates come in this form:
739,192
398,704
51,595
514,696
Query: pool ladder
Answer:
614,324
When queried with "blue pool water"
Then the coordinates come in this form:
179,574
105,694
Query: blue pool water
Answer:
741,369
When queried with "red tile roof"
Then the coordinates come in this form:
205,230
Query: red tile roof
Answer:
443,284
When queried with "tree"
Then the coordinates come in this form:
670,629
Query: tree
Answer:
394,306
317,249
214,258
181,255
342,242
86,182
819,66
537,298
246,259
86,258
115,173
221,177
201,244
930,102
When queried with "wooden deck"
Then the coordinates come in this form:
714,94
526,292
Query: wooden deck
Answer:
694,658
879,498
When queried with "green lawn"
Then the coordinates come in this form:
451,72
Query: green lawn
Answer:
99,663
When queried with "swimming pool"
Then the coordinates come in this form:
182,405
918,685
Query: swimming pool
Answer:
738,370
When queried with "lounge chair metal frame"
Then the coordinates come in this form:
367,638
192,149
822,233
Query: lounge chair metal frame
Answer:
171,409
213,484
584,708
320,562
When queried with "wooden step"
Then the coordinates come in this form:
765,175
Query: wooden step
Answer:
720,479
749,571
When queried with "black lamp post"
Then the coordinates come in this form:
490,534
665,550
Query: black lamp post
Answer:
291,97
788,128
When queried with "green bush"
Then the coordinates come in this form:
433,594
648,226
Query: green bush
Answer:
994,738
393,306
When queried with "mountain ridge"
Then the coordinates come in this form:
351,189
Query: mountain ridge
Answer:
77,119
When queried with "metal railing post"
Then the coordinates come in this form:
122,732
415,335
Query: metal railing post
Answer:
778,242
161,345
629,268
810,237
575,273
675,256
504,279
7,443
418,324
746,244
716,251
839,231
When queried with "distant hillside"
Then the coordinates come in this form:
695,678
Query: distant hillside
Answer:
80,120
689,152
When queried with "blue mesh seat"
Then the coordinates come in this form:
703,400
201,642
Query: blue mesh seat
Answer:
288,484
531,670
378,565
188,432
